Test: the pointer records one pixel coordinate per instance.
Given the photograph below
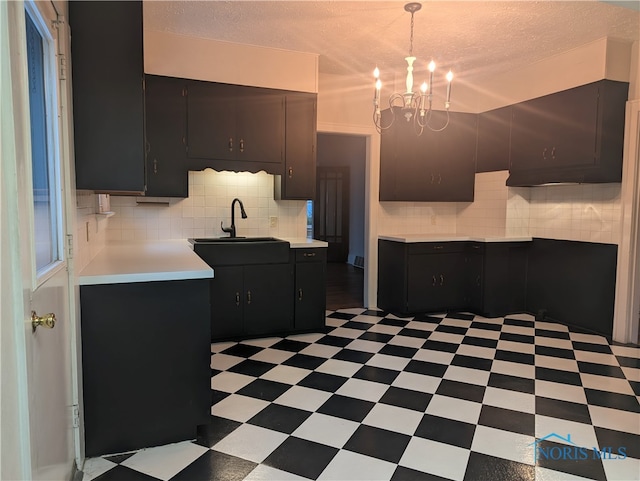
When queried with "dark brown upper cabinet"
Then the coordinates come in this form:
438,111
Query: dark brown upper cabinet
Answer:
436,166
571,136
166,130
231,127
108,95
494,140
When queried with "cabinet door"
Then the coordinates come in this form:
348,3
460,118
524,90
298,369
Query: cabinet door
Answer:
299,178
211,117
532,124
411,162
227,302
435,282
108,95
260,125
388,153
310,295
166,124
494,137
474,281
267,298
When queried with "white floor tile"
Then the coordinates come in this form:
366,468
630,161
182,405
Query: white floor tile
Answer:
262,472
446,337
557,363
238,408
286,374
328,430
384,329
622,469
417,382
551,326
605,383
361,389
429,355
523,331
516,401
504,444
483,333
349,466
250,442
581,434
626,351
435,458
222,362
407,341
421,326
470,376
308,337
263,342
521,316
597,358
94,467
366,318
456,322
544,474
164,462
221,346
453,408
274,356
230,381
514,369
321,350
347,332
333,322
553,342
393,418
513,346
564,392
339,368
631,373
303,398
476,351
615,419
388,362
365,346
588,338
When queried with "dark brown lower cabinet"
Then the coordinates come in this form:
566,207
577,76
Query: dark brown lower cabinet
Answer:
146,354
310,294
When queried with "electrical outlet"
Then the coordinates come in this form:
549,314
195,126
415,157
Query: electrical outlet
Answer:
273,221
433,219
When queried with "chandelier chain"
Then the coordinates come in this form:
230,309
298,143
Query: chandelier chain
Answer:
411,38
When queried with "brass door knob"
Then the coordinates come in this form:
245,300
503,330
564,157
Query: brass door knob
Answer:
48,320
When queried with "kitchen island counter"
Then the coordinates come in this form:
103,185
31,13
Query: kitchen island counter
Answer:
414,238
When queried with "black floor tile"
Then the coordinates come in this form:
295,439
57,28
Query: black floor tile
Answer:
398,351
512,383
510,336
405,398
122,473
573,461
336,341
419,333
518,322
373,312
301,457
119,458
363,326
461,390
284,419
555,352
440,346
264,389
617,439
323,381
253,368
556,408
376,337
480,341
628,361
591,347
518,357
448,431
460,331
346,408
507,420
217,429
600,369
304,361
342,315
554,375
378,443
472,362
460,315
405,474
393,322
486,326
242,350
216,466
612,400
635,385
376,374
428,318
290,345
351,355
554,334
482,467
217,396
426,368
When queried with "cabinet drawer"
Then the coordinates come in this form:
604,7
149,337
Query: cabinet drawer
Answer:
315,254
436,247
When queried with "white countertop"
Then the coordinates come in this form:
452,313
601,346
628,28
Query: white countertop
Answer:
412,238
303,242
144,261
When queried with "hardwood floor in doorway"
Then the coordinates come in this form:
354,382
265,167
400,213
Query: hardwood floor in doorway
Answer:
345,286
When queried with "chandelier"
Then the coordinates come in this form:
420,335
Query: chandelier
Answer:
413,106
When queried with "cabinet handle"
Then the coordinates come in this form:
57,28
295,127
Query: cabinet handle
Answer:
432,177
309,254
290,172
147,147
155,166
439,178
441,280
248,297
478,280
434,280
300,294
438,247
230,144
241,145
475,247
553,153
237,298
544,154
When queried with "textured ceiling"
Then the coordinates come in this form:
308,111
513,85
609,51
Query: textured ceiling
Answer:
474,38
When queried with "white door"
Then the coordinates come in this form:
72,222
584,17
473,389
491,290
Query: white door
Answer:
36,224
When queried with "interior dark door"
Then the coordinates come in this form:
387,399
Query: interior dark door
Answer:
331,212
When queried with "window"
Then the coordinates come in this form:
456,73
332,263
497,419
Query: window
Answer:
44,143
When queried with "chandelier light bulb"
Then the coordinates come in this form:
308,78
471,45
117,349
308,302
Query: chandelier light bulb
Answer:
378,84
450,76
432,66
376,73
424,87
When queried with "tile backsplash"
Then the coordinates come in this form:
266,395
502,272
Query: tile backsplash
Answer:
208,204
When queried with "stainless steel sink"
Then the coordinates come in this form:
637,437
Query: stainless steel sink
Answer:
225,251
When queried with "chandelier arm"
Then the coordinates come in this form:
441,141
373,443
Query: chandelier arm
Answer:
442,128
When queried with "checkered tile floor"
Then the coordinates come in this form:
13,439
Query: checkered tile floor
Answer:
452,397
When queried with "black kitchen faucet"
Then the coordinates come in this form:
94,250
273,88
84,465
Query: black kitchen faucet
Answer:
232,228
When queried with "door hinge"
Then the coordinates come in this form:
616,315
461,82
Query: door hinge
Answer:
75,415
70,246
62,66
